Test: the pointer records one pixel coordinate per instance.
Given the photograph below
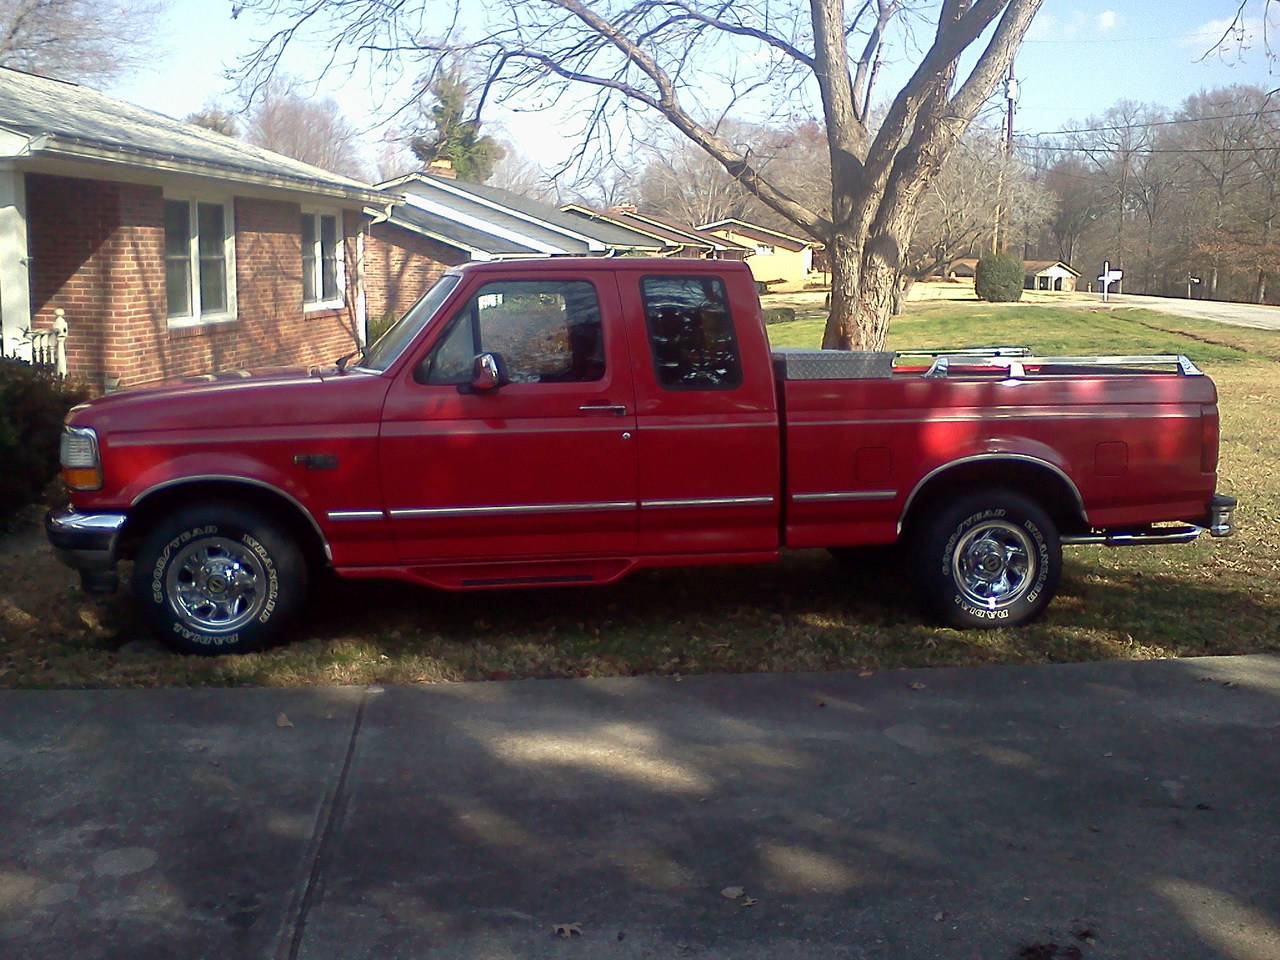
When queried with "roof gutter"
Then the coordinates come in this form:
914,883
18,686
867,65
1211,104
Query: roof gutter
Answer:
51,145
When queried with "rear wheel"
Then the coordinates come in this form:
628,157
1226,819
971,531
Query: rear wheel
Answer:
218,578
991,559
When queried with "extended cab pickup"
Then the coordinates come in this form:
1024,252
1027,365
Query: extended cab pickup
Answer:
566,421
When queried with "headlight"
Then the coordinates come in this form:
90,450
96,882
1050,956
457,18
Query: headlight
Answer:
78,454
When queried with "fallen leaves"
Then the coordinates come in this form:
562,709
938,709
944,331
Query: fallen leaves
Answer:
739,894
283,721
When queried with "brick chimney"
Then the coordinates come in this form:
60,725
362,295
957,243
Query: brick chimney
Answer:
442,167
627,207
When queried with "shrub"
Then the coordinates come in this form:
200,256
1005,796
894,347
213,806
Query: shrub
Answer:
32,405
998,278
377,326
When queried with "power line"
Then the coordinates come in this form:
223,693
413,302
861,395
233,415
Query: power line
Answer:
1145,151
1160,123
1115,40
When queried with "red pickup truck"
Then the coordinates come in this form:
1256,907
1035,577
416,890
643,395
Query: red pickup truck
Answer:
566,421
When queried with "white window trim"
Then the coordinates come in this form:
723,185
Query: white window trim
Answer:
340,301
193,259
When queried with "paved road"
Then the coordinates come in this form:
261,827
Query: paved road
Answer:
1111,810
1236,314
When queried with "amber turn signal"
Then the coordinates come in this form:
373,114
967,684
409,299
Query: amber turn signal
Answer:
81,478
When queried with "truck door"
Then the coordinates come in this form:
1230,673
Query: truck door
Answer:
707,419
543,466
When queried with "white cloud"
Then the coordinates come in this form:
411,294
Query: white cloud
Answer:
1231,36
1043,27
1106,21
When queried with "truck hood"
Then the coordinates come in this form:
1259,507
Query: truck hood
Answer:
237,398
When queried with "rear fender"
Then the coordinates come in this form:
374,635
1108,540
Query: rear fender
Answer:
1032,472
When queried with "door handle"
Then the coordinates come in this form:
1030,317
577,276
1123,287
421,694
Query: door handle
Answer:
617,409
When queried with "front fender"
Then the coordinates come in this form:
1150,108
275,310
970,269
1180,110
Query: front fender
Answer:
196,468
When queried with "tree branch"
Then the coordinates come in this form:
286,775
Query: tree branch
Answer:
668,104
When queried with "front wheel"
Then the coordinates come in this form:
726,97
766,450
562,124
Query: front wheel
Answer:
218,578
992,559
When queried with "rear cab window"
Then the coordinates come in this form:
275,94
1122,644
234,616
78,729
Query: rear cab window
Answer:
690,333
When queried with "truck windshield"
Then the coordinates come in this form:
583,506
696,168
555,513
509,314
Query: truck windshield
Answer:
384,351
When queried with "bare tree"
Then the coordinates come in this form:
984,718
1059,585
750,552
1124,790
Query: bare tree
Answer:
311,130
685,183
215,118
91,41
670,58
520,175
1080,194
957,215
682,182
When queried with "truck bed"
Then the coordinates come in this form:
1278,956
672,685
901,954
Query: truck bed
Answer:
866,433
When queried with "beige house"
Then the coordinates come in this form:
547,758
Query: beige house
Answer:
775,258
1049,275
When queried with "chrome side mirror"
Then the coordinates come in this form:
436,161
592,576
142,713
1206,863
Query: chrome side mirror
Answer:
488,373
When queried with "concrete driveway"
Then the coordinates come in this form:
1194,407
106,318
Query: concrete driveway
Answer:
1107,810
1237,314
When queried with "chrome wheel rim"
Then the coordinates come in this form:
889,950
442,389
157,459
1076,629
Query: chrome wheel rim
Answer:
216,585
995,564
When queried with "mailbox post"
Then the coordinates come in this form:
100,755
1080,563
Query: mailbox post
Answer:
1109,277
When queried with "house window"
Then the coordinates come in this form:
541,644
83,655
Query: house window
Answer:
198,252
322,274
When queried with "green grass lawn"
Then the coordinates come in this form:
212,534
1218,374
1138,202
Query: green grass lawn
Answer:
1046,330
807,613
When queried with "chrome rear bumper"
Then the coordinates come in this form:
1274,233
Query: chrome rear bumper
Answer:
1218,522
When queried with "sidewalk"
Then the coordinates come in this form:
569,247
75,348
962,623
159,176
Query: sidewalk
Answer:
1108,810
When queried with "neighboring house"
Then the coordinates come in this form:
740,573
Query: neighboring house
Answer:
775,257
436,221
171,249
1049,275
1039,274
679,239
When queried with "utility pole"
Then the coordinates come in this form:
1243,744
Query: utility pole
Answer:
999,239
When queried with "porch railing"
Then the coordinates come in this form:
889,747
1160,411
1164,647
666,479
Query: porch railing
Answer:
49,346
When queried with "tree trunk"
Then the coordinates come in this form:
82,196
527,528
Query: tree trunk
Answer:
863,287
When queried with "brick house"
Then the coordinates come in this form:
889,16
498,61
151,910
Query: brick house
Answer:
170,249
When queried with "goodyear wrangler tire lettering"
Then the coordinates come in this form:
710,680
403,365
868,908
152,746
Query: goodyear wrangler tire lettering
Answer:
990,559
219,578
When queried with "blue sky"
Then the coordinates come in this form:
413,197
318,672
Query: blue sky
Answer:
1079,59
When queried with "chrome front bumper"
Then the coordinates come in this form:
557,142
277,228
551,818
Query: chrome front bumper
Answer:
87,542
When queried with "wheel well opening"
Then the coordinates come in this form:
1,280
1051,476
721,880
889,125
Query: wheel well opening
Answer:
1038,483
271,505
